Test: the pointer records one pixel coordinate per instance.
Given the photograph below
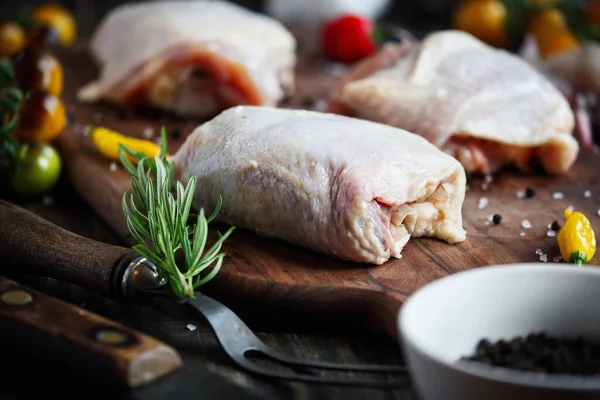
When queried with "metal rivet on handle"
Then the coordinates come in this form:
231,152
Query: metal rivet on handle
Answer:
16,297
111,336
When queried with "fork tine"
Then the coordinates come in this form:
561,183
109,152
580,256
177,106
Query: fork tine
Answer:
326,380
333,366
238,339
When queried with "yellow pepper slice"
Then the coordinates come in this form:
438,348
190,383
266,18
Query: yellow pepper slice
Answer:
576,239
107,142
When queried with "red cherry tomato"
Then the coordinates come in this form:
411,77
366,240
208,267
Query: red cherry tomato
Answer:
348,38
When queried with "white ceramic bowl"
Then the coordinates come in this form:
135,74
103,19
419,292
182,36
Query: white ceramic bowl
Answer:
444,320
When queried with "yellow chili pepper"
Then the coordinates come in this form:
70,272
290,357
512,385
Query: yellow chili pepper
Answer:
576,239
107,142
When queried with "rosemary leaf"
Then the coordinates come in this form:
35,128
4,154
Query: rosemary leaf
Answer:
200,237
216,210
187,247
201,281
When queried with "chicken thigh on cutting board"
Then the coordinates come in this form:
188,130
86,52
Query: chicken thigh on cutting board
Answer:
350,188
194,58
484,106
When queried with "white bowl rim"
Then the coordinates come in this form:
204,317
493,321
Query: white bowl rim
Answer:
500,374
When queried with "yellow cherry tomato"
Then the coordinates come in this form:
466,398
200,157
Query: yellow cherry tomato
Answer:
546,21
592,12
58,18
12,38
557,41
42,117
484,19
39,69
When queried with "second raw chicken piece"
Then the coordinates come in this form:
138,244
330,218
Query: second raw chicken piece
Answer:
350,188
194,58
484,106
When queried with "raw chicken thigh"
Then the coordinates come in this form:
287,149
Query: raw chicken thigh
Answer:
484,106
194,58
350,188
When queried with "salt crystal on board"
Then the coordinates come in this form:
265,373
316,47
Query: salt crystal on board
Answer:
551,233
587,194
544,258
483,203
526,224
148,132
113,166
191,327
558,196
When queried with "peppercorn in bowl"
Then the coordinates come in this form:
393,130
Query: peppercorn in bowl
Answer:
514,331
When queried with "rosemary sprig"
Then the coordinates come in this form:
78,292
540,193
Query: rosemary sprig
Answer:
157,212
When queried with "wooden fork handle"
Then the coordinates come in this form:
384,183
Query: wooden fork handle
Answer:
37,246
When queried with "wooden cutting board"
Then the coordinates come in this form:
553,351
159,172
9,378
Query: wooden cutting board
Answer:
267,280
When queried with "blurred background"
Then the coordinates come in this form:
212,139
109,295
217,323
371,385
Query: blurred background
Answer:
420,14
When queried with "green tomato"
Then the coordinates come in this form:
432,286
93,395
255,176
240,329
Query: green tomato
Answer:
37,171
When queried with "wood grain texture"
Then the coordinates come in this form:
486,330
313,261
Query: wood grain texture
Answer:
59,332
312,289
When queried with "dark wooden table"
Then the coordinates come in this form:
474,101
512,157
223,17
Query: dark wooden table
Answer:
199,348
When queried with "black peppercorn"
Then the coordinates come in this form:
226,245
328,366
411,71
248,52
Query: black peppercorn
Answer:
497,218
529,192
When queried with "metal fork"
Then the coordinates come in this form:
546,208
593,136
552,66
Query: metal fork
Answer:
239,341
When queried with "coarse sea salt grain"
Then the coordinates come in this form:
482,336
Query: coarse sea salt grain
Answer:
551,233
526,224
571,208
520,194
557,259
558,196
587,194
522,234
113,166
483,203
543,256
148,132
191,327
